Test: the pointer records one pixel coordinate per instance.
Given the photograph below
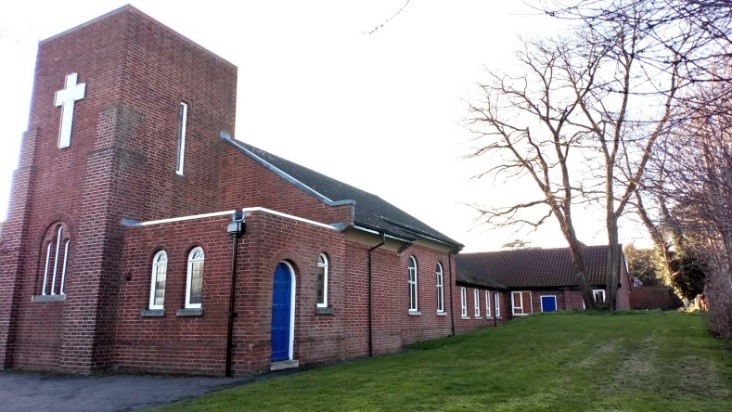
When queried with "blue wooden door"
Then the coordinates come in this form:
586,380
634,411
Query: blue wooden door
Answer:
281,313
548,303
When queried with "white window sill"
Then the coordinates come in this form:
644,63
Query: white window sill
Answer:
443,313
48,298
415,313
464,317
478,317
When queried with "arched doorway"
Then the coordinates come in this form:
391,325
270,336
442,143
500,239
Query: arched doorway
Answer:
283,312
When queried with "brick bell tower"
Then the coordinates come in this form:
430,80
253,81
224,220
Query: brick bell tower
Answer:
125,123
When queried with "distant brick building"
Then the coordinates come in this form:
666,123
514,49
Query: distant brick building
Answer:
542,280
142,237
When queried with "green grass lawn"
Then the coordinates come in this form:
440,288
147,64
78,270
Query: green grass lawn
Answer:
560,362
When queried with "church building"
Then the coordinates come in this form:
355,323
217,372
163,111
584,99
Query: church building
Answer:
142,236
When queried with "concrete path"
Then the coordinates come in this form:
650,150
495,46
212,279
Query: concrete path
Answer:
21,391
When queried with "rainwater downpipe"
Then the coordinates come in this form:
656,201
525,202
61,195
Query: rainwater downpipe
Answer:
235,230
371,318
452,312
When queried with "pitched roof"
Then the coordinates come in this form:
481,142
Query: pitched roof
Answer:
371,211
531,268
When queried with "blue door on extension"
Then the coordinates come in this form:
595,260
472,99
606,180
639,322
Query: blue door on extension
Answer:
549,303
281,313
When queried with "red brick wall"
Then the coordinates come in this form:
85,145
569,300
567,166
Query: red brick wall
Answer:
471,322
198,344
247,183
567,299
121,163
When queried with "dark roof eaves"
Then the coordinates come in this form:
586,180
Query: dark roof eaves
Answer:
279,172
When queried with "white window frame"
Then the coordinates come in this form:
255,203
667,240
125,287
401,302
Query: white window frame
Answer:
440,287
463,303
53,252
413,283
322,264
476,303
497,299
487,304
522,305
182,125
602,292
189,276
160,260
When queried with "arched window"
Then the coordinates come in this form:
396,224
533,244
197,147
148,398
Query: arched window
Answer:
322,287
194,280
56,246
157,282
412,284
439,284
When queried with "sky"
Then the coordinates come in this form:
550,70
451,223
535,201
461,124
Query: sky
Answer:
381,110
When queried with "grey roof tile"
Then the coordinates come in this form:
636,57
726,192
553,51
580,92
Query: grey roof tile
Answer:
371,211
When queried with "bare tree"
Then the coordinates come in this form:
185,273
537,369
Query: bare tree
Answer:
594,97
699,180
527,124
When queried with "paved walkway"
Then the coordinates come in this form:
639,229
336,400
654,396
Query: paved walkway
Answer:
21,391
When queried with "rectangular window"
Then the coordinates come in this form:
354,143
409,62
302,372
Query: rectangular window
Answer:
521,302
487,304
497,299
182,120
322,287
463,302
476,302
599,295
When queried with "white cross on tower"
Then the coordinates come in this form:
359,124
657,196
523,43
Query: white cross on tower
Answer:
66,98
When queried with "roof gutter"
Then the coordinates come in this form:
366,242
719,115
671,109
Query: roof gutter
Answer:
383,234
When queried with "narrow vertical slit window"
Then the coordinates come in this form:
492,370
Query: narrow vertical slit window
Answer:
487,304
463,302
182,121
63,270
45,271
322,291
476,302
55,260
497,299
